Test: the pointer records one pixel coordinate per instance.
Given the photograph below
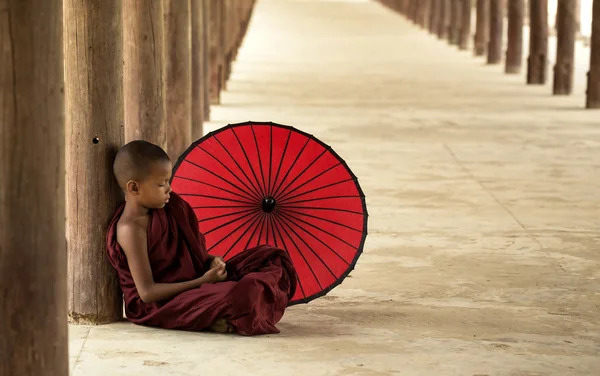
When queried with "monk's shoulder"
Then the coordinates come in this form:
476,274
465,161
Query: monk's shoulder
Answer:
131,230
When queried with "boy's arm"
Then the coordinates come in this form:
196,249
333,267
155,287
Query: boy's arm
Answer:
132,239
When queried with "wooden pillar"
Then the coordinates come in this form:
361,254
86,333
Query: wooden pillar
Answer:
200,77
444,23
593,84
404,5
216,52
94,124
434,12
206,67
537,62
237,36
226,23
424,13
454,24
465,25
565,48
33,257
482,27
414,10
496,32
514,52
143,71
178,76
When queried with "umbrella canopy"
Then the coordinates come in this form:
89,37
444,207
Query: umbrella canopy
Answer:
264,183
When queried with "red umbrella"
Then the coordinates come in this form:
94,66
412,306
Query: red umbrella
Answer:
265,183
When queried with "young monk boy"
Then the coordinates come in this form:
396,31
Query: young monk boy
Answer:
166,275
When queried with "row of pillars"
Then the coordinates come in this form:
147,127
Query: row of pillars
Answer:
78,79
452,20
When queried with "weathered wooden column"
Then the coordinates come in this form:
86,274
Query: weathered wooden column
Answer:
593,84
496,32
565,47
200,69
444,23
33,257
247,15
421,13
465,25
514,52
216,52
206,67
404,6
434,14
237,35
454,25
226,40
482,27
94,124
178,75
537,62
143,71
413,13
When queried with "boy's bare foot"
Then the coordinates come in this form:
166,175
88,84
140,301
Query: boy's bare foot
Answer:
221,326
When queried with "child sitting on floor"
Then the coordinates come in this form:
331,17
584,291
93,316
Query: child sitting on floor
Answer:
166,275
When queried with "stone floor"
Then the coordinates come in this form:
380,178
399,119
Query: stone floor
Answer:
484,250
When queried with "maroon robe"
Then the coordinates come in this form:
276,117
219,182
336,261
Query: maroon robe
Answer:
260,281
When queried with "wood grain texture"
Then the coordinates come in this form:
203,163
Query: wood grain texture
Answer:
200,68
217,50
143,71
33,257
94,124
178,76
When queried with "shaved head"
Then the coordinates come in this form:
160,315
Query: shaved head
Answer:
134,161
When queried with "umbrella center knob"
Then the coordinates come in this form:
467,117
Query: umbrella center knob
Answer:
268,204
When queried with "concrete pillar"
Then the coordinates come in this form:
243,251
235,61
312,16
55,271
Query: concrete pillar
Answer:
33,255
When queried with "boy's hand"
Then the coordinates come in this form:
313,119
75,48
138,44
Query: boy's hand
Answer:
217,261
217,274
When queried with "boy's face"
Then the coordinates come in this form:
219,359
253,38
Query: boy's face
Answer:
153,191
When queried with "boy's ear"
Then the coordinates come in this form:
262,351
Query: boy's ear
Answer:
133,187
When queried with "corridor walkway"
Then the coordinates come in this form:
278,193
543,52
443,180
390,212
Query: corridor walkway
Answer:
483,255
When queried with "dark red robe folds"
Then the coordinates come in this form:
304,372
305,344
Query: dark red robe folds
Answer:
259,285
